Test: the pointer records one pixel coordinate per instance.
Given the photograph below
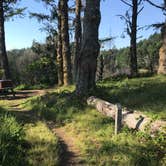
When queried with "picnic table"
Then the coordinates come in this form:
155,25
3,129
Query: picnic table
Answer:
6,87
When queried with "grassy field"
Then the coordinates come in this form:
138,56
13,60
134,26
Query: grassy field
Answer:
143,94
44,147
93,133
24,139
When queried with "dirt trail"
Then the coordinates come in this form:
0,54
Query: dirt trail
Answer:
70,154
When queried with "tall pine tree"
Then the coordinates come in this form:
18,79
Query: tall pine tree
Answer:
7,10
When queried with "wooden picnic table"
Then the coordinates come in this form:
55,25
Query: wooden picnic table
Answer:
6,87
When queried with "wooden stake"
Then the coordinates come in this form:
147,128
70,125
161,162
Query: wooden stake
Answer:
118,119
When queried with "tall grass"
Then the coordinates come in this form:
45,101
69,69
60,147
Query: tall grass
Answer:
11,141
44,146
93,133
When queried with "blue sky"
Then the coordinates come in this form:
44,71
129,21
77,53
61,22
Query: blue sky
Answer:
22,31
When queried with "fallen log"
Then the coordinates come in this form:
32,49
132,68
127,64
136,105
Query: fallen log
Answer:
132,119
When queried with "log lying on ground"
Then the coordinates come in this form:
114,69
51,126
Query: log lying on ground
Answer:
133,119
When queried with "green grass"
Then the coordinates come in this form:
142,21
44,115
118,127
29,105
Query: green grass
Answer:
24,140
11,141
94,133
44,146
30,87
142,94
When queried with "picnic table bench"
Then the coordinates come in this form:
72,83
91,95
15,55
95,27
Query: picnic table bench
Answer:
6,87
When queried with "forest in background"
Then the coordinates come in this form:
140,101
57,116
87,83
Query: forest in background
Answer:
37,65
108,106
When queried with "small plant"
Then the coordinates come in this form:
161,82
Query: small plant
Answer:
11,139
1,73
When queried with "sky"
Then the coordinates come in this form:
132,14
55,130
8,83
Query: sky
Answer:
21,32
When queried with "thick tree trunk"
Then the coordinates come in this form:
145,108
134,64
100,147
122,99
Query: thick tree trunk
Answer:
59,49
3,54
162,53
67,76
78,35
133,41
133,119
89,49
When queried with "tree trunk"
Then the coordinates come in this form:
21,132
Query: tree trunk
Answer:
133,41
59,49
78,35
162,51
89,49
101,67
133,119
3,54
67,76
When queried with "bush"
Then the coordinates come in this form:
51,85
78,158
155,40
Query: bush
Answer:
22,87
1,73
30,87
11,139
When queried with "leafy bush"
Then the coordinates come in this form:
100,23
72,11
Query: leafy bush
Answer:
1,73
11,139
58,107
30,87
22,87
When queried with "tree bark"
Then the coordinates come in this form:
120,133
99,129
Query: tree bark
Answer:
59,49
78,35
67,76
133,119
162,51
101,67
133,41
3,54
89,49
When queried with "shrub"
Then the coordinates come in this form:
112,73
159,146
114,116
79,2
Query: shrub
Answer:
11,139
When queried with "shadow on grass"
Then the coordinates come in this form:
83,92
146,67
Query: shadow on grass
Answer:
18,95
57,107
125,154
38,146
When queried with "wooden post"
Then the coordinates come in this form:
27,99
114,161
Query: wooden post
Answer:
118,119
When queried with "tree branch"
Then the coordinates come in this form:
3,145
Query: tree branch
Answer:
155,5
128,4
140,10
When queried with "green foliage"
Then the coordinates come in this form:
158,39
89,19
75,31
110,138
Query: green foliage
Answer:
30,144
122,58
1,73
117,61
22,87
143,94
59,107
11,139
148,52
42,71
11,9
28,87
35,65
45,148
